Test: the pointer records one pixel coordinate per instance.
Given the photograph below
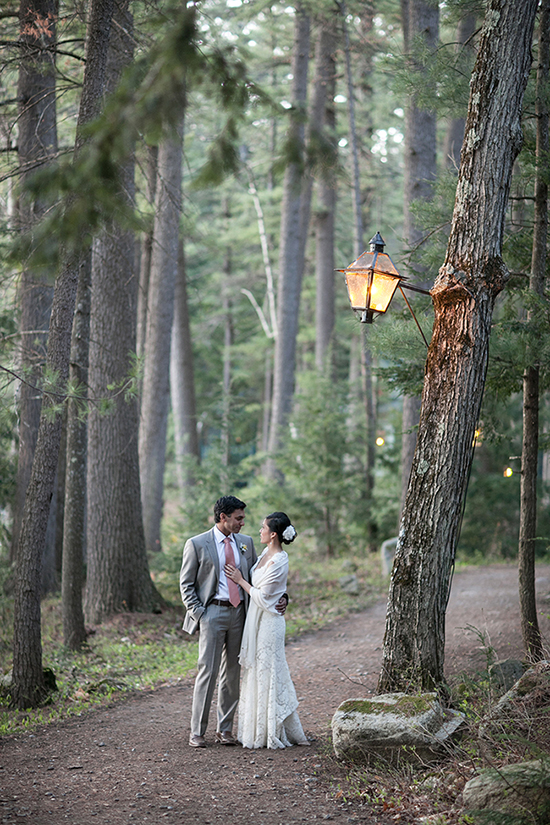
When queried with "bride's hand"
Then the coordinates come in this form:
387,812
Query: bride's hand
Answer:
233,573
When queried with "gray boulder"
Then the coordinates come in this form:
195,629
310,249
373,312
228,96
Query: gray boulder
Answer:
392,727
350,584
506,673
530,692
520,791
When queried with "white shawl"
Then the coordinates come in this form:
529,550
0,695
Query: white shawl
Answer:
269,585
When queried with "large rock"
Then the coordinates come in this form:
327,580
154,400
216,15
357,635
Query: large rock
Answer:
530,694
505,673
393,726
350,584
521,792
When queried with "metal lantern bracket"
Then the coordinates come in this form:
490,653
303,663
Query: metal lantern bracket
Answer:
414,289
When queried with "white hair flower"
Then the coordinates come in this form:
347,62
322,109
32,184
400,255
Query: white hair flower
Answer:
289,533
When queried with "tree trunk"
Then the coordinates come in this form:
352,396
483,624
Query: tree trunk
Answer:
290,269
227,352
532,640
325,86
118,575
464,294
37,145
420,21
358,246
28,679
72,575
156,374
146,251
182,384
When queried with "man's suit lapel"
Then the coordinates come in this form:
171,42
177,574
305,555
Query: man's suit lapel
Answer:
211,548
242,553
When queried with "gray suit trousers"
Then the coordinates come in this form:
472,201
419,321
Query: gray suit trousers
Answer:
220,634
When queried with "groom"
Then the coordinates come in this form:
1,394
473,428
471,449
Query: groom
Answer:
216,605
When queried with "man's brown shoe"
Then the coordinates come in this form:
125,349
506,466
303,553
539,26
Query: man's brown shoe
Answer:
225,737
196,741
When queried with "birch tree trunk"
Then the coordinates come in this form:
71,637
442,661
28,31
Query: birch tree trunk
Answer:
532,640
420,20
37,145
471,277
28,679
156,374
290,269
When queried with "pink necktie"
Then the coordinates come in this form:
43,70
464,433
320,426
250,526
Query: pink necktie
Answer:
234,596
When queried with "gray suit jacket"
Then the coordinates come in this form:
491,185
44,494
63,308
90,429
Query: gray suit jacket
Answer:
200,573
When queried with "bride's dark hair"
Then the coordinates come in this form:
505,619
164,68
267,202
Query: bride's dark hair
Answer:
278,522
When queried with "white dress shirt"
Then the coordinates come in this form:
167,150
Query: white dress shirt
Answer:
223,590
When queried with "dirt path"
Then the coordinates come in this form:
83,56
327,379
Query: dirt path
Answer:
131,763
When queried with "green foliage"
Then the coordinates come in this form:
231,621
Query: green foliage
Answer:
321,477
402,351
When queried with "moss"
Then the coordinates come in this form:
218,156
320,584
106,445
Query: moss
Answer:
406,706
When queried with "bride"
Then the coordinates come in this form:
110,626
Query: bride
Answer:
267,707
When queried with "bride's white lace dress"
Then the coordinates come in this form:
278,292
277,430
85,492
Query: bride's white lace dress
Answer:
267,706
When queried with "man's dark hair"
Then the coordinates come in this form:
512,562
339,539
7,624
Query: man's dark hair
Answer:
227,505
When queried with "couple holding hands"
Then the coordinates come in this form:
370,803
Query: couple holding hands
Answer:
237,601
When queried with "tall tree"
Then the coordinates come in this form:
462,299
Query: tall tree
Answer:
467,285
28,679
37,145
182,382
72,567
150,173
156,372
420,20
290,267
363,352
530,630
117,569
324,90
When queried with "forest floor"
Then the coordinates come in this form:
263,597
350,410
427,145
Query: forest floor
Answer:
131,763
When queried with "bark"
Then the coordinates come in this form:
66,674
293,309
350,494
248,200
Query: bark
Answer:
37,145
316,136
325,86
455,127
118,573
366,354
370,439
227,351
28,679
532,640
182,384
471,277
156,373
420,20
358,245
146,250
268,319
290,269
72,575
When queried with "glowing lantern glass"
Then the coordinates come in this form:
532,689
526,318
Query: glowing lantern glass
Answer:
372,280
